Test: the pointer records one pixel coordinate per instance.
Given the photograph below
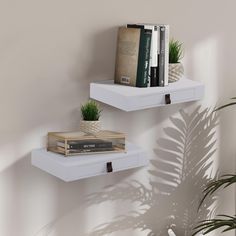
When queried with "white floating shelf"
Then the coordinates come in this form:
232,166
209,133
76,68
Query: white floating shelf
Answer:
131,98
84,166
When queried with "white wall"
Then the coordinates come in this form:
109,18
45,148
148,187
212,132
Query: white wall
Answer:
49,53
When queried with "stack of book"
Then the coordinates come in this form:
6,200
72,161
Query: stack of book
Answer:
74,143
142,55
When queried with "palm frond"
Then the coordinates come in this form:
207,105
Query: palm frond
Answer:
224,181
226,105
207,226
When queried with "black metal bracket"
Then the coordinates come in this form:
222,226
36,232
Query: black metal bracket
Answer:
167,99
109,167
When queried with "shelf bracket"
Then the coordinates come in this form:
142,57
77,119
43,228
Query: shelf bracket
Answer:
167,99
109,167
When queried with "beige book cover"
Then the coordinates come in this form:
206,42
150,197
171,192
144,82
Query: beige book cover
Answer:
127,56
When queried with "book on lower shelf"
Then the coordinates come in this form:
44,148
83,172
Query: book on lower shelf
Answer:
74,143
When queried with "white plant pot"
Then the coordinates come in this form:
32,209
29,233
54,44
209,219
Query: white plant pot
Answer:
176,72
90,126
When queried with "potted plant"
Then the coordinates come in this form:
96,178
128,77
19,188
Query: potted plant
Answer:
90,113
226,222
176,69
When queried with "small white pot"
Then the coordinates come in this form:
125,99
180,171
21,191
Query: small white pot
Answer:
90,126
176,72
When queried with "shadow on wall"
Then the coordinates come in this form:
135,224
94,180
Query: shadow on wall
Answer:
184,162
180,170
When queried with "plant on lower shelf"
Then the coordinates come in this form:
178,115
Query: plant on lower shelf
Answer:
221,221
90,113
176,69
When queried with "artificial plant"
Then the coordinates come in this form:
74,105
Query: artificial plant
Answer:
175,51
90,111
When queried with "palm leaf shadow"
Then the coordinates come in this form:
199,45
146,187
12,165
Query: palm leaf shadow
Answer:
183,162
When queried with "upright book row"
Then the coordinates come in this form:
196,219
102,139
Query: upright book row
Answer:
142,56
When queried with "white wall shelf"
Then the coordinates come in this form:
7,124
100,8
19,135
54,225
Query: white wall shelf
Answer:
131,98
84,166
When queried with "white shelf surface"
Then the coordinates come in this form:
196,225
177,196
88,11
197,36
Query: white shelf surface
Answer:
131,98
84,166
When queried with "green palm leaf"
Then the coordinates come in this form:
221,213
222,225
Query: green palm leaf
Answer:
207,226
224,181
226,105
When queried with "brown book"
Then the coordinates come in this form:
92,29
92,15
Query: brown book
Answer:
127,56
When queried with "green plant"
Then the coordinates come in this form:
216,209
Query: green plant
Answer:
227,105
90,111
221,221
175,51
229,222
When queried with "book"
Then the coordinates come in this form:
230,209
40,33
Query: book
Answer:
132,56
143,58
87,144
154,60
159,56
154,50
167,36
163,65
87,150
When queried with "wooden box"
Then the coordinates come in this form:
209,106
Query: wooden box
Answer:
74,143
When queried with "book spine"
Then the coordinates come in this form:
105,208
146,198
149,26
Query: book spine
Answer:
142,26
148,41
85,145
144,57
166,75
90,145
74,151
154,73
161,65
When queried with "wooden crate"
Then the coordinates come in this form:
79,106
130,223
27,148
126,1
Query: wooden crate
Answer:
74,143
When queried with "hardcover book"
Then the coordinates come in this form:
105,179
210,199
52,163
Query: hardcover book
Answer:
132,56
154,51
159,55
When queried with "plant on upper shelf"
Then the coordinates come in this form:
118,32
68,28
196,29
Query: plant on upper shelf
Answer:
175,51
221,221
176,69
90,113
